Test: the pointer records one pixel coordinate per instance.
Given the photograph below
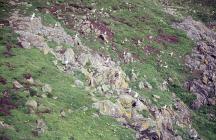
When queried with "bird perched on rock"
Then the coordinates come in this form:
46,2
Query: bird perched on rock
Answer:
33,16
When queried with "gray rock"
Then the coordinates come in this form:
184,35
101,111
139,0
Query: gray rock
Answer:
47,88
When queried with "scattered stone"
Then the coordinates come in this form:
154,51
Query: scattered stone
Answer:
55,97
205,80
17,85
44,96
79,83
62,113
128,57
5,126
43,109
105,88
133,75
141,85
47,88
95,115
164,85
40,128
30,80
193,134
145,85
45,50
31,105
212,101
156,96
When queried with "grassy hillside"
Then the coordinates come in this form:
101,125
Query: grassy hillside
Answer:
139,27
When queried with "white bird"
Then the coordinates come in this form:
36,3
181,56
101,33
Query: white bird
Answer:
129,90
33,16
56,24
107,60
166,66
66,62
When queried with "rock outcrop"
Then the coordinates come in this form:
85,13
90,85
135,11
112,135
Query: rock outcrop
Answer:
202,62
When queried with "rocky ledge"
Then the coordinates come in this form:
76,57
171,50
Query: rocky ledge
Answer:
201,62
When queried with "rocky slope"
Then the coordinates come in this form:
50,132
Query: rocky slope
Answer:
101,70
201,62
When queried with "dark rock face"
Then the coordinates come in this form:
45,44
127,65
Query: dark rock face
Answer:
202,62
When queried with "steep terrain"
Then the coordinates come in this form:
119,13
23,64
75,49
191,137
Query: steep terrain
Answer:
104,70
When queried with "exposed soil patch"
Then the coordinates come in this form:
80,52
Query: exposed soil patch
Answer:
4,23
3,81
6,105
148,50
164,38
102,30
